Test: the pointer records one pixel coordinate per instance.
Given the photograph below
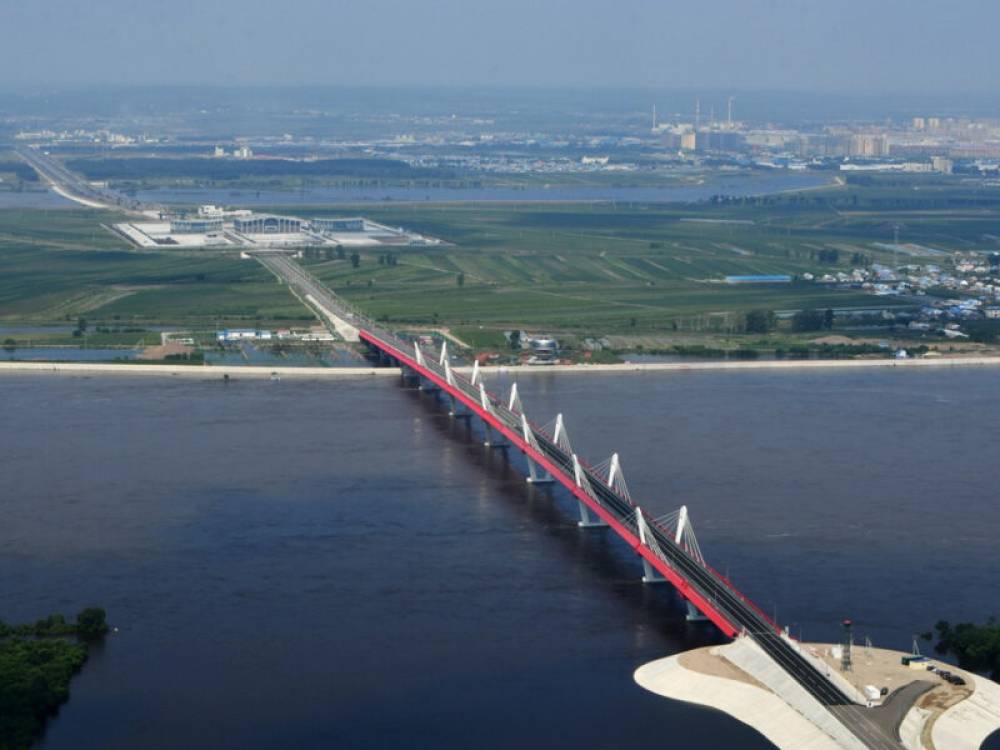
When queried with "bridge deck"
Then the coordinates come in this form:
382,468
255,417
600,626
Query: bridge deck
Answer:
707,590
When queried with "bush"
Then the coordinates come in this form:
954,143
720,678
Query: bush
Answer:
91,623
760,321
34,682
977,647
808,320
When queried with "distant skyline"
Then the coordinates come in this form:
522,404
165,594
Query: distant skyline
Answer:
848,46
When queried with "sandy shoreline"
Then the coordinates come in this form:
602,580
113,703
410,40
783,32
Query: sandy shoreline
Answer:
322,373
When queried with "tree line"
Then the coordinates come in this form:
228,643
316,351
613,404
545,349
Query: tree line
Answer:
37,662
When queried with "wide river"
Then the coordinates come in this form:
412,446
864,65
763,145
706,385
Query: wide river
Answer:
337,564
753,184
762,183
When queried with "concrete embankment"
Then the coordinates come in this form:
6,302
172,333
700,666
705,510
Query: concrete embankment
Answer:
250,371
194,371
783,364
924,711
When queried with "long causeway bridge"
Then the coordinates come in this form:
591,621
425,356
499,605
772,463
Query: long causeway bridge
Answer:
666,545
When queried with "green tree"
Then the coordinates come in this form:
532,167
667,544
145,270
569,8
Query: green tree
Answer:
977,647
9,345
807,320
828,319
34,681
760,321
340,252
355,259
91,623
460,279
81,325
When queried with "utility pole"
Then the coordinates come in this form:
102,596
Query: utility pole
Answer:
895,246
845,647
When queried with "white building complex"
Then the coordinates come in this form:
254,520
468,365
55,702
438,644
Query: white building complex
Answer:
218,228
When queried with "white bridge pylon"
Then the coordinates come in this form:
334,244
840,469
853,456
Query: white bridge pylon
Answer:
514,403
676,524
487,406
684,537
560,437
529,437
612,469
587,521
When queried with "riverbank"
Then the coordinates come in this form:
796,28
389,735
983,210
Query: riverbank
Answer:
192,371
923,710
778,364
202,371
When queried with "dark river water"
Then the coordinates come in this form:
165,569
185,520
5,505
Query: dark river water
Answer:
336,564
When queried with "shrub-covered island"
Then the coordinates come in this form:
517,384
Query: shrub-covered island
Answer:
37,661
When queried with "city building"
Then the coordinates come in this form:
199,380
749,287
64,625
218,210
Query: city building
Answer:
338,225
869,146
942,164
200,225
267,224
241,334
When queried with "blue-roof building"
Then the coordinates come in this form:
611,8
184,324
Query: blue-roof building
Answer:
765,279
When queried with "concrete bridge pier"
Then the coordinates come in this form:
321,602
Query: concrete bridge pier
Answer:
534,477
693,615
588,520
650,574
408,376
491,440
455,412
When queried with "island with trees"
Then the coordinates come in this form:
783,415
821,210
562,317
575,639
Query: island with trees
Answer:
977,647
37,662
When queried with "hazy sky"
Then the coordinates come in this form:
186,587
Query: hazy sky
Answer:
846,45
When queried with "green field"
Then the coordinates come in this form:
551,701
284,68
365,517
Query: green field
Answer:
575,268
57,266
599,267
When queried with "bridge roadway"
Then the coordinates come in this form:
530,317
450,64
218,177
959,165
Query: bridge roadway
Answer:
707,590
710,592
55,172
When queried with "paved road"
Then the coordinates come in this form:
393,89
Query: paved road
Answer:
75,186
307,285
